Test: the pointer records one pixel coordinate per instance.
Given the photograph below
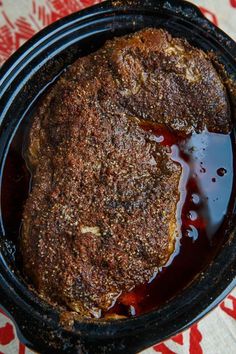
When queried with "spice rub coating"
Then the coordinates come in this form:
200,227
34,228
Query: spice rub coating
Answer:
101,216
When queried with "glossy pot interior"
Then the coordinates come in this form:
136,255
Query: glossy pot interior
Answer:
22,79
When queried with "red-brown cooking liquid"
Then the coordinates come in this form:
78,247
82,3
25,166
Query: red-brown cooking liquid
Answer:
205,189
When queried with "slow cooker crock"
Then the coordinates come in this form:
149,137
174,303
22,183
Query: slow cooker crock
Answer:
23,78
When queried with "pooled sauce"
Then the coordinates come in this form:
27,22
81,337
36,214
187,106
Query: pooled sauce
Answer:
205,190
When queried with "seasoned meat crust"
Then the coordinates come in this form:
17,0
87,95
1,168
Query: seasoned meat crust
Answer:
101,216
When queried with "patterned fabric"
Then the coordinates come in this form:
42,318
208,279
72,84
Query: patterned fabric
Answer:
21,19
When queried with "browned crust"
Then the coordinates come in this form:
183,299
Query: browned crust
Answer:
101,215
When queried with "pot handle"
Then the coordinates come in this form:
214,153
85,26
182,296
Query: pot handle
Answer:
182,7
178,8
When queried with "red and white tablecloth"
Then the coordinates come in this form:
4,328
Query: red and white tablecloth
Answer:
21,19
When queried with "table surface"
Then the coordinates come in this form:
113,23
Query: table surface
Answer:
21,19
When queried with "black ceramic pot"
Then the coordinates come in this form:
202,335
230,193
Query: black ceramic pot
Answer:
26,74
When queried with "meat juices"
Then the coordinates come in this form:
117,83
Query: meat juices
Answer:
101,216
